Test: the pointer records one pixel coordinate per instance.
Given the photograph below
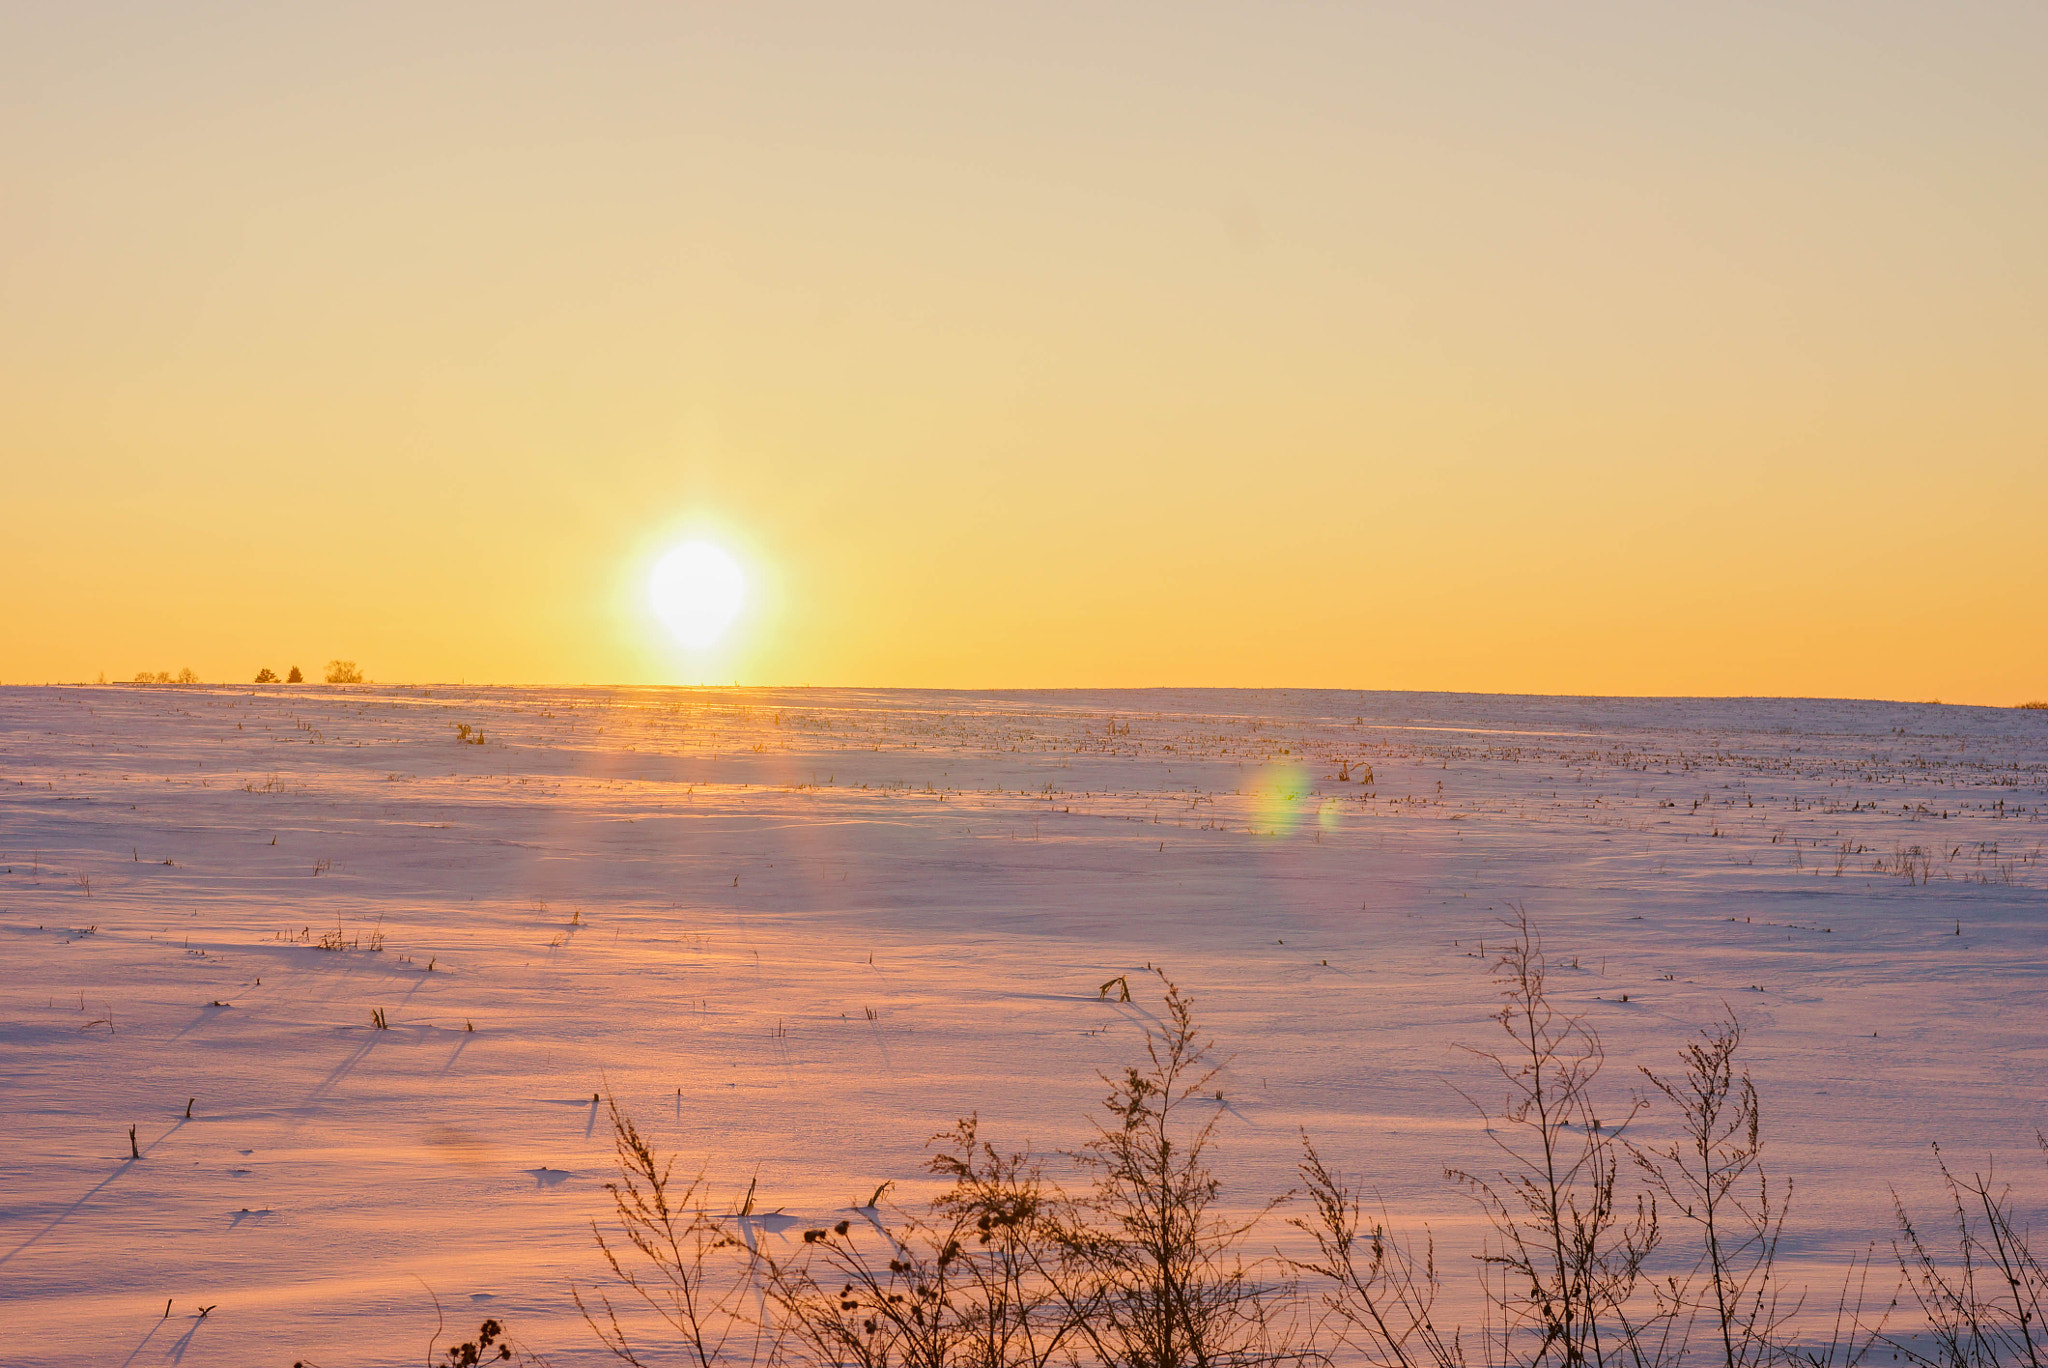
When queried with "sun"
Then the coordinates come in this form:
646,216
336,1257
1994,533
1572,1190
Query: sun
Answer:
697,590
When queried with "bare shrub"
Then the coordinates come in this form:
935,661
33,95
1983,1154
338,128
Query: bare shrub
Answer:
1568,1251
899,1298
1001,1270
968,1284
1712,1175
343,672
1381,1298
489,1346
1142,1267
687,1266
1562,1276
1003,1214
1154,1274
1983,1302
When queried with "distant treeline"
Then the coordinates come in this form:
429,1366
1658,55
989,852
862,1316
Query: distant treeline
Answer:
338,672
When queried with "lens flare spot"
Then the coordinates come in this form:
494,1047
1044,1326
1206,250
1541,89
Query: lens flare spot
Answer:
1283,796
697,590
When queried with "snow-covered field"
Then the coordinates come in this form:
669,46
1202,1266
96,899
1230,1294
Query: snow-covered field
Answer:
797,931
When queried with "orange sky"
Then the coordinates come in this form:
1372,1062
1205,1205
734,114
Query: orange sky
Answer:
1589,348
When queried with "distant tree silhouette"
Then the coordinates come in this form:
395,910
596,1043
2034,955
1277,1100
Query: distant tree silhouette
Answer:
295,677
343,672
266,675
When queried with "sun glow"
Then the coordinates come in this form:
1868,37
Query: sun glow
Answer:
697,590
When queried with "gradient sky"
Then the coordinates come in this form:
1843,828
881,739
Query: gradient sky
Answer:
1597,348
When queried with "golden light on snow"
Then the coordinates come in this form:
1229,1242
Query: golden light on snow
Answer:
697,590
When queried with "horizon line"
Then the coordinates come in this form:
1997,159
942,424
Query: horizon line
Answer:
2029,705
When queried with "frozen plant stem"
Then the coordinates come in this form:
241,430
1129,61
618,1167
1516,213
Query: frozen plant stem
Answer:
1712,1175
1155,1278
1559,1231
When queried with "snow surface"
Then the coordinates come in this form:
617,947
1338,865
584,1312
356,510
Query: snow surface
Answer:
797,931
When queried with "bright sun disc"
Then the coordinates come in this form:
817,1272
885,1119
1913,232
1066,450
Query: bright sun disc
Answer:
697,591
